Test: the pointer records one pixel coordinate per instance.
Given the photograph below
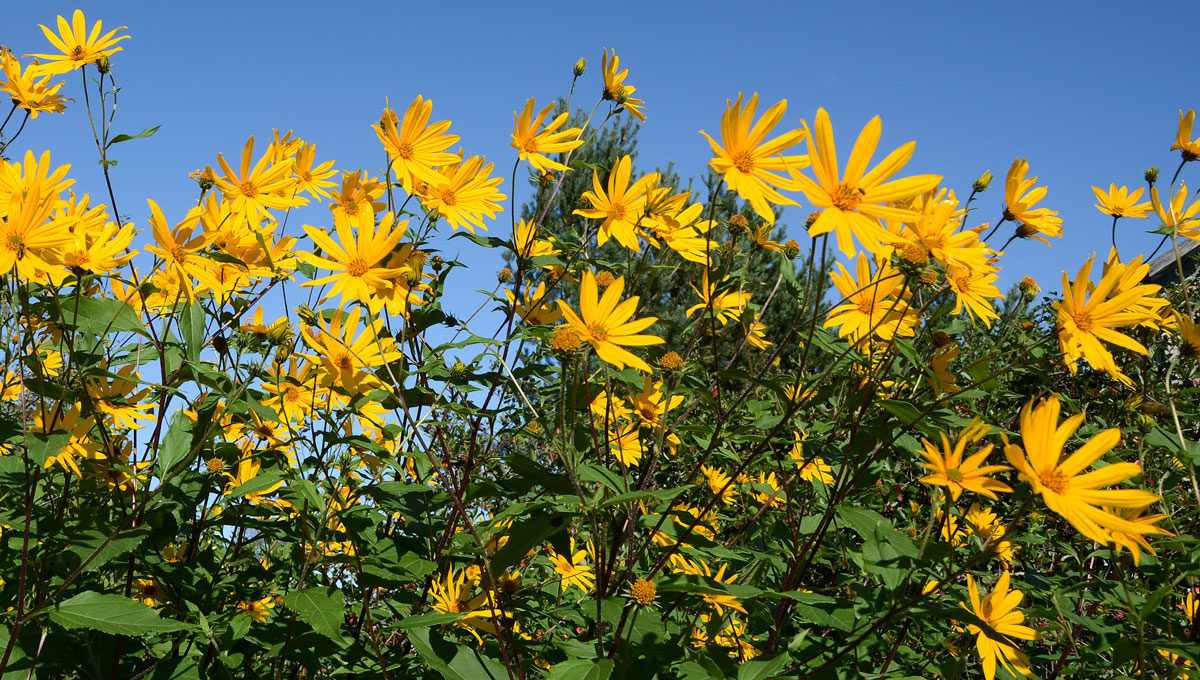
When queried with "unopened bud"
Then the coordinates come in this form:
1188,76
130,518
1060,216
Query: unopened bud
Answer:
436,263
791,249
1152,174
580,67
985,180
1029,289
504,275
812,219
458,370
738,224
622,98
103,65
545,179
307,315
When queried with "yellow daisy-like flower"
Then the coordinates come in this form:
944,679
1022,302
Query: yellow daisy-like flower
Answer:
77,46
416,147
1019,198
1189,335
355,260
719,483
746,159
251,191
533,145
259,611
1087,318
1135,542
615,88
572,570
854,204
972,290
450,596
149,592
998,609
344,354
30,90
1188,147
464,194
950,470
1077,497
1176,215
620,206
726,306
606,325
1121,202
871,307
626,445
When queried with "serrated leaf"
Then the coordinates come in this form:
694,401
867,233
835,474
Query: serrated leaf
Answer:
112,614
100,316
323,608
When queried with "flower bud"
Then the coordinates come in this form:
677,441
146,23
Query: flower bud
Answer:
812,219
436,263
671,361
504,275
565,340
580,67
1029,289
985,180
459,370
1151,174
605,279
791,249
103,65
738,224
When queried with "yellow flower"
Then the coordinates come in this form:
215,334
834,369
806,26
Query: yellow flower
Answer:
726,306
615,88
1189,148
746,159
620,206
756,335
943,378
935,233
1019,199
950,470
972,289
30,90
463,194
259,611
1087,318
871,308
312,180
1189,335
533,145
355,260
605,324
571,568
535,310
1077,497
527,244
416,147
149,591
626,445
854,204
251,191
1134,542
998,609
450,597
78,46
719,483
1121,202
345,354
1175,216
718,602
650,405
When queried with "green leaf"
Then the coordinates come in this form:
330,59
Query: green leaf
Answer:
763,668
427,620
141,135
526,535
633,496
112,614
259,484
191,324
454,662
93,542
582,669
535,473
43,446
485,241
176,446
323,608
100,316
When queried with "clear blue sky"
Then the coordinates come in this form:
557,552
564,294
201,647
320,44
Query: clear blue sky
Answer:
1089,92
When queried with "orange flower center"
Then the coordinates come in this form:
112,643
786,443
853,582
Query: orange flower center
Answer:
598,331
1083,320
915,253
955,475
248,189
616,213
357,267
1055,480
744,162
78,54
530,145
449,198
178,254
291,395
846,197
866,305
351,207
343,361
404,150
